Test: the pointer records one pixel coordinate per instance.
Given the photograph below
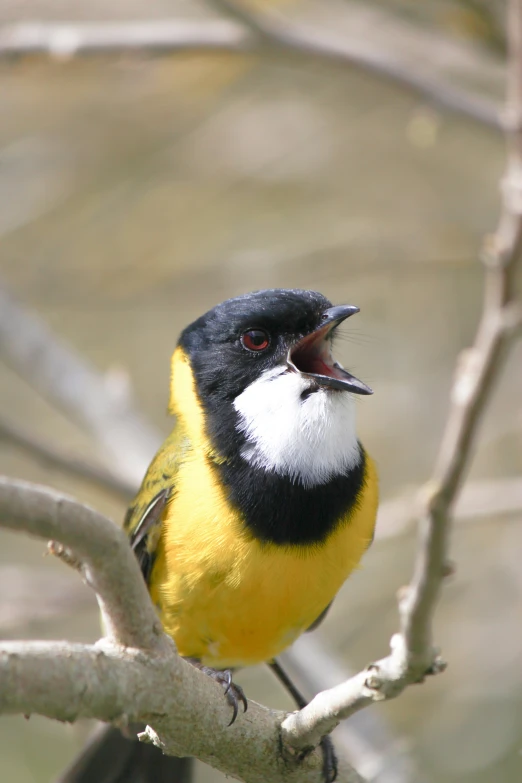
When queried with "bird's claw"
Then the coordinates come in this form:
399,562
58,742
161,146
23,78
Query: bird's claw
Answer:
234,693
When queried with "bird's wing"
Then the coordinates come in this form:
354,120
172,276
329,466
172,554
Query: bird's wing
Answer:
144,516
144,539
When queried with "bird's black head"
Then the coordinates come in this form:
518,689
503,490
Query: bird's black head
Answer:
270,393
239,340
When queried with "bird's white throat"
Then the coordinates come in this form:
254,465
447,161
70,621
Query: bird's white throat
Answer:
309,438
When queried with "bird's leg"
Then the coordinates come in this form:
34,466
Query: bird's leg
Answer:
234,693
329,757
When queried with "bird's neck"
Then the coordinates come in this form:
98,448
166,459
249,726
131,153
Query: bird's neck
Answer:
294,473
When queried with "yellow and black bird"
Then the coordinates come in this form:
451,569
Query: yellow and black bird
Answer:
256,508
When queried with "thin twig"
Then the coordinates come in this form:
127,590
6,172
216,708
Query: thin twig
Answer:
277,33
72,385
477,501
64,39
413,654
366,738
68,462
253,32
478,370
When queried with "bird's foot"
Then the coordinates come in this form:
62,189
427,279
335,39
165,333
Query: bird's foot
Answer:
329,760
234,693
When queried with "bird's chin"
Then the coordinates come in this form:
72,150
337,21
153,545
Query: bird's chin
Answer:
312,358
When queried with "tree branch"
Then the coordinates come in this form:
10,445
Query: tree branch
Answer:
250,31
365,740
277,33
134,675
64,39
478,370
106,560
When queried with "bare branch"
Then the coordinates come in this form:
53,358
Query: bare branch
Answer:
70,463
477,500
477,373
168,35
108,563
135,674
71,384
366,738
249,31
413,655
276,32
186,709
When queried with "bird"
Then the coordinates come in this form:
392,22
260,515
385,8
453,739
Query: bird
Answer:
257,507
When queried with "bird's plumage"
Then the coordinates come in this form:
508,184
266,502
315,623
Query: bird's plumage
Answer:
262,500
249,552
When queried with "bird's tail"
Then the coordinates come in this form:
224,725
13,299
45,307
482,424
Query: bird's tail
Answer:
109,757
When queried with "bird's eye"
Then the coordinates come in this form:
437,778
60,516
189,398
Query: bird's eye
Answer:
255,340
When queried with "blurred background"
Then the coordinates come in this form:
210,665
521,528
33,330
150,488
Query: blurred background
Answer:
140,188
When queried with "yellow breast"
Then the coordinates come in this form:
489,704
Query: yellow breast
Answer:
231,600
225,597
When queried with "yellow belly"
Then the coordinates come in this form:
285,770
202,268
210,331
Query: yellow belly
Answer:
232,601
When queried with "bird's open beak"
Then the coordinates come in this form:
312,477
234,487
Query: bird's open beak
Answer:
312,356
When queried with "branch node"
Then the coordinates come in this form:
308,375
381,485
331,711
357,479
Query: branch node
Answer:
149,737
403,594
374,681
438,666
397,644
468,368
448,568
428,497
511,188
64,554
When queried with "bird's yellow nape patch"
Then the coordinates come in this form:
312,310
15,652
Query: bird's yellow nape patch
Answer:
184,403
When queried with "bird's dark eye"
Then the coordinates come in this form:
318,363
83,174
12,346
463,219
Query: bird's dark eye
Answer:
255,340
